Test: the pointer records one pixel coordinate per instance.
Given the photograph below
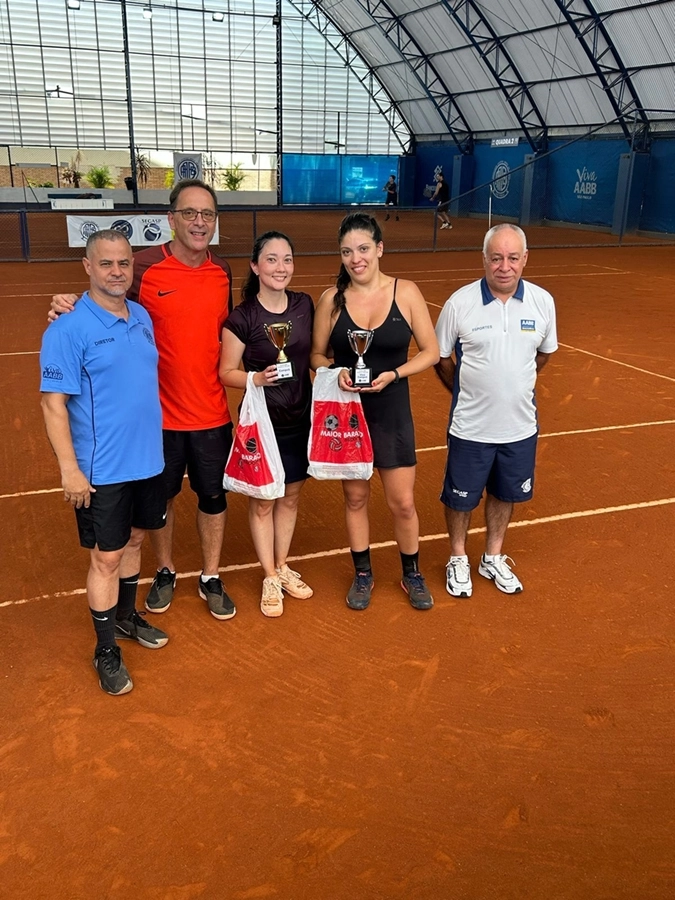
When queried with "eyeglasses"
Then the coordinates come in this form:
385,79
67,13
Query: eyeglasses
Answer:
208,215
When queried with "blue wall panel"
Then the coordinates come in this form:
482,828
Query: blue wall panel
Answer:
428,157
499,163
582,182
658,210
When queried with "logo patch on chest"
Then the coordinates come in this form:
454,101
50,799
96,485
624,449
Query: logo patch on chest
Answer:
527,325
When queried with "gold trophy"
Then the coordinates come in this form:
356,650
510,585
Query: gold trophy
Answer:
278,333
360,340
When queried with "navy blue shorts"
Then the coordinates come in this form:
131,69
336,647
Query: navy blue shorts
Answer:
114,508
505,470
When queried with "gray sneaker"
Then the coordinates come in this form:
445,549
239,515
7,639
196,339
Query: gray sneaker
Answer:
161,591
220,605
135,628
415,587
113,676
360,591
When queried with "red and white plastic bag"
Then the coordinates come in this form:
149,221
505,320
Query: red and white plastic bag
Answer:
339,441
254,465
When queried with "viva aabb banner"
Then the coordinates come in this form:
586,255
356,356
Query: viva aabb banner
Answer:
140,231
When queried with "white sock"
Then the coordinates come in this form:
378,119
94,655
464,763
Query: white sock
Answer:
206,578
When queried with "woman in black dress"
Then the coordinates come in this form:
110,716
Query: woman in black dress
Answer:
395,310
266,300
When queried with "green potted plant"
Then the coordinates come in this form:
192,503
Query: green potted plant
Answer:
232,177
100,177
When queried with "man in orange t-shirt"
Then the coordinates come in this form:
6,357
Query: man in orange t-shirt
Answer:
188,293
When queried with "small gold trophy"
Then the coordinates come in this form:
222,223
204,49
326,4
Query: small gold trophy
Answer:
278,333
360,340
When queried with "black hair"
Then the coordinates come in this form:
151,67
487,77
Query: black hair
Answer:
251,285
353,222
188,183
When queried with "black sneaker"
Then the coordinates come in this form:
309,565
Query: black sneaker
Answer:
220,605
161,591
415,587
112,673
360,591
135,628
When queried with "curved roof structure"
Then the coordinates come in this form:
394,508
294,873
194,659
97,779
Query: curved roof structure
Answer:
467,68
354,76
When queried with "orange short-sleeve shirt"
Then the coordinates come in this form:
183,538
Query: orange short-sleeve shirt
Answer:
188,307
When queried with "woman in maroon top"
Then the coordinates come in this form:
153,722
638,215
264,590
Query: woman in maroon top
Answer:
266,300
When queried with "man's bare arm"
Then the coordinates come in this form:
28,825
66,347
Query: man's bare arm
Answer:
541,359
76,488
61,303
445,369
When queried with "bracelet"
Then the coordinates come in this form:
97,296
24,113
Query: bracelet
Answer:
397,377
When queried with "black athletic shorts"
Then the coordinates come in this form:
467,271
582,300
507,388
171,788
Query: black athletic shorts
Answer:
292,443
202,454
115,508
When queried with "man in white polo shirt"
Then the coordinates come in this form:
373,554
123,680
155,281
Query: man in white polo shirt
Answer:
501,331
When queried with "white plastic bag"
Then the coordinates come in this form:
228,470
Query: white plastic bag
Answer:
254,465
339,440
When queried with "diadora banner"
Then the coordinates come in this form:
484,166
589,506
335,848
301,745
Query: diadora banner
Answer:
582,182
140,231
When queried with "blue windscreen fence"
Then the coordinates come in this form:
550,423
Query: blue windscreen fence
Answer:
335,179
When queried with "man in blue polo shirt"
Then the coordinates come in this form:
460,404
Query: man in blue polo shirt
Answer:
100,401
501,331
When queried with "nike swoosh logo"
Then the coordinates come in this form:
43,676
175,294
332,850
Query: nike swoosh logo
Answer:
164,293
104,619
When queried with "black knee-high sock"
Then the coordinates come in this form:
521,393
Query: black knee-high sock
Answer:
126,597
410,562
361,559
104,623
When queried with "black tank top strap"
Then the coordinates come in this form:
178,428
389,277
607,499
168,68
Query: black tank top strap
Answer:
393,299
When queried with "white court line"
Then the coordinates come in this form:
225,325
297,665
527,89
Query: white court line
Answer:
343,551
618,362
417,450
22,353
567,433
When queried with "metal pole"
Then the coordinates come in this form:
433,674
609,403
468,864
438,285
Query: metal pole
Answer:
276,21
130,114
490,210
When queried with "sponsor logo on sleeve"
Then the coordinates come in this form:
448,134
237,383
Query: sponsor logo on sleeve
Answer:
52,373
527,325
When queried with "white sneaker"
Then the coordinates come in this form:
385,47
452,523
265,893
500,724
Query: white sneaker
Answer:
445,225
458,576
499,571
272,600
292,583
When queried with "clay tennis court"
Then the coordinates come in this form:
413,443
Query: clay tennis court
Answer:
503,747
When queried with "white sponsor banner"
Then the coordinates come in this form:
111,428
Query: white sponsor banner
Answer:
140,231
187,165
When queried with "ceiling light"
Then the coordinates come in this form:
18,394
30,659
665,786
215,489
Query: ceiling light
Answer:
147,12
218,16
73,4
